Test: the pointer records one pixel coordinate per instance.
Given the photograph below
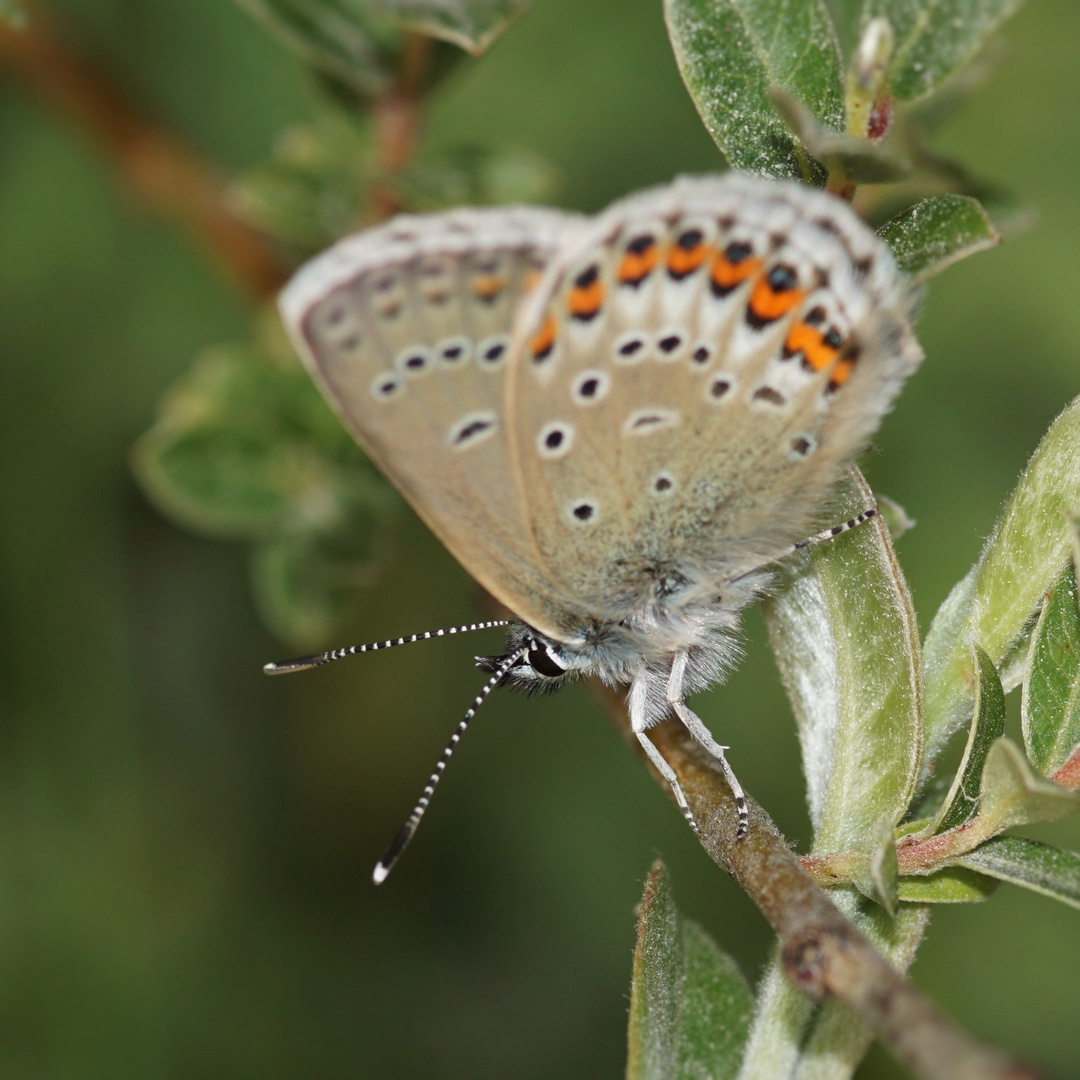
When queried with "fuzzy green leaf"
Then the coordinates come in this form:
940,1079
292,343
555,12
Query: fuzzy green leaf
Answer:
337,37
690,1006
731,51
997,602
1013,793
987,725
857,159
877,879
935,233
845,638
950,885
470,24
935,38
1034,865
1051,698
12,14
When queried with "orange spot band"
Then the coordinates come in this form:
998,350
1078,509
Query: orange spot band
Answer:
637,266
544,341
684,261
585,300
726,275
768,304
810,342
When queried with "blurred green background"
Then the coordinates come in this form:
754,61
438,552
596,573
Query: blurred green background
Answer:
185,846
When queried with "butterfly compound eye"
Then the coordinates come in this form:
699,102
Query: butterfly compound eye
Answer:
544,663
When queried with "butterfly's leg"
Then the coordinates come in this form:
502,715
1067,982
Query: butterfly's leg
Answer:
704,736
637,725
837,530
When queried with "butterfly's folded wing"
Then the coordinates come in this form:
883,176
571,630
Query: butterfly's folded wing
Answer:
690,377
406,328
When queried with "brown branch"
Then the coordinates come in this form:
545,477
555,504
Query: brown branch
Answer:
824,954
155,165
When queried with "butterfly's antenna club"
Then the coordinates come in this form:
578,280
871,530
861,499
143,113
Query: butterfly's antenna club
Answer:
398,844
302,663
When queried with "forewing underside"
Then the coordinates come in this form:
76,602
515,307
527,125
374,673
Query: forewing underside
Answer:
407,330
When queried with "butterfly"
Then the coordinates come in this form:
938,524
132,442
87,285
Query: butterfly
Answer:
618,425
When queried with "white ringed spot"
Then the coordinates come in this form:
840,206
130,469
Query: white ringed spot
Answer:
555,440
387,385
590,387
471,429
646,421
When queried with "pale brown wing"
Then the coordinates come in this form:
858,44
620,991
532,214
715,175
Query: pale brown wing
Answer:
406,328
691,375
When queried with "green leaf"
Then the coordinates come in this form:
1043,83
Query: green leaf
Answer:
935,38
690,1006
470,24
1013,793
846,642
877,879
935,233
950,885
1034,865
306,584
1050,708
987,725
337,37
854,158
12,14
997,602
730,52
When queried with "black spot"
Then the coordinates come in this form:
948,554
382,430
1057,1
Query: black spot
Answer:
670,343
719,388
584,511
415,362
833,338
852,353
587,277
701,355
493,352
801,445
648,420
727,222
630,347
836,530
737,251
640,244
474,427
588,388
815,316
690,239
452,352
663,483
387,387
767,393
554,439
782,278
862,266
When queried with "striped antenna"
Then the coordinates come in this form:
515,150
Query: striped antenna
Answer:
398,844
304,662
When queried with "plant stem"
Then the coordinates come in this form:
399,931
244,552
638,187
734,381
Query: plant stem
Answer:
162,172
823,953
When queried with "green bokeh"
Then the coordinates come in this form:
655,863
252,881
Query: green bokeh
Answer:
185,846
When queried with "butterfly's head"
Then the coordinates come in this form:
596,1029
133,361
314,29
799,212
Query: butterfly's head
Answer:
544,666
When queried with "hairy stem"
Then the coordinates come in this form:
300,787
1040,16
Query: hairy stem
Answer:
824,954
